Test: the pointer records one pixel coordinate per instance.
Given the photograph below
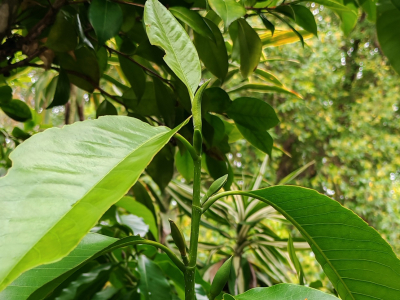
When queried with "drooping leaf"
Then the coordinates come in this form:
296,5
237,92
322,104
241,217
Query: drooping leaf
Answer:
62,36
388,32
76,173
282,291
228,10
61,95
286,10
250,47
357,260
153,285
184,164
194,20
264,88
213,52
253,113
165,31
106,18
5,94
283,38
295,260
262,140
106,108
17,110
304,18
291,27
267,24
138,209
134,74
38,282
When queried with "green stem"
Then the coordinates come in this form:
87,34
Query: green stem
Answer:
187,145
214,198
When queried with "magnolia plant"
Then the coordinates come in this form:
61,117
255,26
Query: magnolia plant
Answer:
63,181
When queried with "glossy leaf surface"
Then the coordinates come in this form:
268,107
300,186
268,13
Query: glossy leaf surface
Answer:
70,177
166,32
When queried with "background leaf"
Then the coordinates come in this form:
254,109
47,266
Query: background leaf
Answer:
17,110
63,88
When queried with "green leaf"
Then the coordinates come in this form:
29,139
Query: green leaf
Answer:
291,27
165,101
161,168
62,36
38,282
134,74
283,37
153,285
357,260
18,133
61,95
262,140
295,173
138,209
349,18
388,32
5,94
295,260
194,20
250,47
264,88
76,173
184,164
268,76
286,10
106,108
396,3
267,24
215,100
332,4
253,113
213,53
282,291
228,10
165,31
304,18
17,110
106,18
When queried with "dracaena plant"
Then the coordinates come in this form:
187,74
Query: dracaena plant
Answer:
64,180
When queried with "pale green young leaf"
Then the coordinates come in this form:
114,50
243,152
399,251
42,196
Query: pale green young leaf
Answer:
180,54
63,180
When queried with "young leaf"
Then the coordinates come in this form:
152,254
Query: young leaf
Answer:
194,20
304,18
17,110
388,32
221,278
61,96
106,18
180,54
356,259
250,47
291,27
253,113
215,187
75,173
228,10
106,108
282,291
213,52
267,24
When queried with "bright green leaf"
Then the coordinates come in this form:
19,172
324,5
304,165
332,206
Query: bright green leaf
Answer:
283,37
166,32
75,173
106,18
228,10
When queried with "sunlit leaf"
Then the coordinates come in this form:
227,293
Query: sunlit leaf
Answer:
228,10
283,38
263,88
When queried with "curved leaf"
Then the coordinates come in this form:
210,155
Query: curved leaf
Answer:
282,291
63,180
388,30
5,94
106,108
228,10
268,76
17,110
106,18
305,18
264,88
166,32
357,260
283,37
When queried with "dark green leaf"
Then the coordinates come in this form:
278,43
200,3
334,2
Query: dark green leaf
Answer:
268,76
18,133
253,113
184,164
165,101
161,168
17,110
213,53
228,10
283,291
388,31
62,36
295,260
61,95
267,24
259,139
396,3
153,285
106,18
286,10
215,100
106,108
147,106
5,94
304,18
194,20
134,74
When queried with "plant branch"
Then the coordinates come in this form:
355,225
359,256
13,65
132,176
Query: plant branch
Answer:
188,146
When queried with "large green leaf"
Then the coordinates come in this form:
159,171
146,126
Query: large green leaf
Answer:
284,291
357,260
228,10
63,180
106,18
388,30
166,32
